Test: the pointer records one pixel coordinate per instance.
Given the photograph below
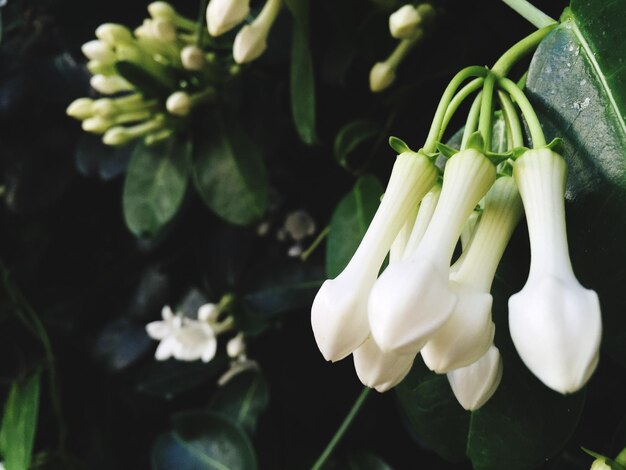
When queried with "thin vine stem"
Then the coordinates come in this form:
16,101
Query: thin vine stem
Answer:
530,13
342,429
471,121
486,110
519,50
323,234
436,126
512,119
458,99
534,126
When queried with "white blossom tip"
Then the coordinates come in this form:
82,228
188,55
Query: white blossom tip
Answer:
178,103
223,15
250,43
403,23
382,75
378,369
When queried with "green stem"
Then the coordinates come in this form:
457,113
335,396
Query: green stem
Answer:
435,129
472,120
458,99
304,256
342,429
201,23
512,119
530,12
520,50
486,110
402,50
534,126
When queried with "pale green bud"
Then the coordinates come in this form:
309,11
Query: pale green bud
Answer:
178,103
192,58
114,34
98,50
80,108
381,76
116,136
96,124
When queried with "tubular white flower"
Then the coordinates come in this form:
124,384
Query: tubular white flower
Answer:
475,384
114,34
382,75
98,50
469,331
555,322
378,369
412,298
109,85
80,108
403,23
339,312
251,40
223,15
192,58
178,103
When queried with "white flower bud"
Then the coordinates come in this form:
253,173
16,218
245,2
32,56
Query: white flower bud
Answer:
339,312
192,58
223,15
403,23
109,85
103,107
412,298
378,369
250,43
114,34
475,384
161,10
555,322
600,464
98,50
381,76
209,313
236,347
299,224
163,30
96,124
116,136
80,108
178,103
469,331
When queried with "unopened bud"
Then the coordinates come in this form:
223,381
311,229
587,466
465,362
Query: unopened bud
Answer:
381,76
404,22
81,108
98,50
192,58
223,15
116,136
161,10
178,103
163,30
109,85
236,347
249,44
103,107
114,34
96,124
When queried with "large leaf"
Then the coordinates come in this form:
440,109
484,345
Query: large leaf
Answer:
243,398
229,173
302,79
155,185
351,136
19,424
577,82
349,223
203,440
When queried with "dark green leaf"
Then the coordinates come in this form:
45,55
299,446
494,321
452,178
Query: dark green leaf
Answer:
349,223
576,83
243,398
19,423
283,288
302,77
146,83
351,136
155,185
203,440
229,173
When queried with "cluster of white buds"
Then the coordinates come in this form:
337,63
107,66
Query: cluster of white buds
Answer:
422,303
251,40
188,339
408,24
122,62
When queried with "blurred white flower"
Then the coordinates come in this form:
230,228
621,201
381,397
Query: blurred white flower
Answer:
223,15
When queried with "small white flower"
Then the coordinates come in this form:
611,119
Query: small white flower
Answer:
294,251
209,313
196,340
236,347
555,322
192,58
109,85
114,34
178,103
404,22
223,15
251,40
475,384
299,224
339,312
80,108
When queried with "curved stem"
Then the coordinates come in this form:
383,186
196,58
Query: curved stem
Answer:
519,50
342,429
458,99
323,234
472,120
518,95
435,128
530,12
512,119
402,49
486,110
